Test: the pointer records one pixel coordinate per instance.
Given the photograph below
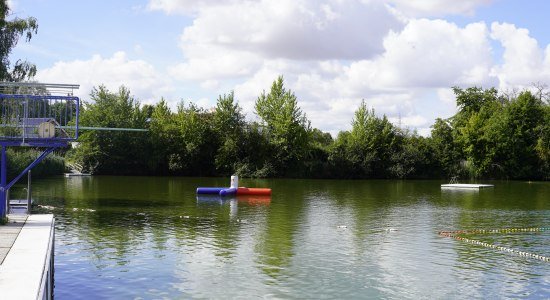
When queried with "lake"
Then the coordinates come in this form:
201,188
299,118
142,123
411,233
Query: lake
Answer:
151,237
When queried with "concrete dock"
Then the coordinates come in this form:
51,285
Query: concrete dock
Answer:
8,234
26,257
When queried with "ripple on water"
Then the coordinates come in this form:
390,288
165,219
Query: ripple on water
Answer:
313,239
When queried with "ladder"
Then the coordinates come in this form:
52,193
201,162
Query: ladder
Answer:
19,206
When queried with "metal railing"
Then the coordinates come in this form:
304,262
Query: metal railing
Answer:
33,111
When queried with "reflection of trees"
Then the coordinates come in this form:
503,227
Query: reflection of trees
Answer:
119,216
137,218
372,201
275,246
113,217
224,233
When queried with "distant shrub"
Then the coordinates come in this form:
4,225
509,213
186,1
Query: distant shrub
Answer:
19,159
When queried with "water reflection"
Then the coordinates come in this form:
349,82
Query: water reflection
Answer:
125,237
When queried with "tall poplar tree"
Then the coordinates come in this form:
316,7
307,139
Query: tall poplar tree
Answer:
287,126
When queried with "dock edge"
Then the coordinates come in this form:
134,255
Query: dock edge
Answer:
28,270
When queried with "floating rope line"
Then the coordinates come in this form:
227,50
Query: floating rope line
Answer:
454,235
504,230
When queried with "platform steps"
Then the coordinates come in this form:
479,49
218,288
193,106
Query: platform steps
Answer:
75,169
19,206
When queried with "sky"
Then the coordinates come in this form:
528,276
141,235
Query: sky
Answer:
401,56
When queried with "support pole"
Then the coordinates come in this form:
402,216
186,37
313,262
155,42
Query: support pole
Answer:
3,180
29,193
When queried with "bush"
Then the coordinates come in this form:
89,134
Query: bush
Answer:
19,159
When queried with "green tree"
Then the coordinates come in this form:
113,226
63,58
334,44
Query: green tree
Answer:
163,134
112,152
10,32
447,154
470,101
316,164
368,150
473,98
287,127
499,138
372,142
470,127
20,157
229,128
518,136
543,144
413,158
341,164
195,142
475,138
255,153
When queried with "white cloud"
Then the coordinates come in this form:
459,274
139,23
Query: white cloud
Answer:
431,8
182,6
210,84
524,62
204,103
446,95
333,53
139,76
409,121
215,62
427,53
307,29
416,8
248,91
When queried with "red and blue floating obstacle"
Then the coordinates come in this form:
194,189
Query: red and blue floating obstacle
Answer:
234,189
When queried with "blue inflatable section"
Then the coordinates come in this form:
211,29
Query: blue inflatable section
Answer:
228,191
216,191
210,190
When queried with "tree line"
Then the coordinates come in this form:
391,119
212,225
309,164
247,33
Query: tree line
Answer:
493,135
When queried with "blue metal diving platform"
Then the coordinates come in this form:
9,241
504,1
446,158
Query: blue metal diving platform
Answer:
37,115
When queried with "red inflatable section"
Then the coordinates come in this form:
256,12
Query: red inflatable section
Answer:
253,191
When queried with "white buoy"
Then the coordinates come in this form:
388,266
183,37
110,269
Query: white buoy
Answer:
234,181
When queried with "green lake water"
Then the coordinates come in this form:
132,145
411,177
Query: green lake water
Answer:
151,237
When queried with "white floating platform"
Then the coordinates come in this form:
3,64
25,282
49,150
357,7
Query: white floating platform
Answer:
77,174
465,186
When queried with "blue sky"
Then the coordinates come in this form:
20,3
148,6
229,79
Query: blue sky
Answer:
532,15
401,56
71,30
